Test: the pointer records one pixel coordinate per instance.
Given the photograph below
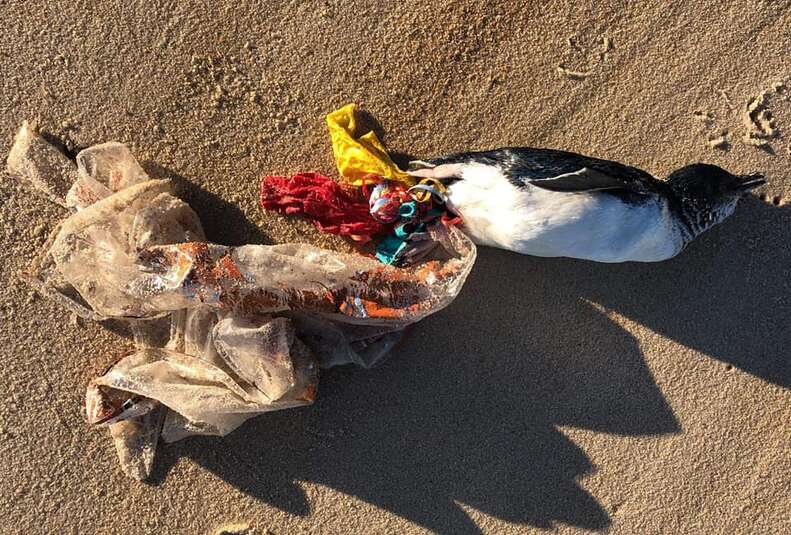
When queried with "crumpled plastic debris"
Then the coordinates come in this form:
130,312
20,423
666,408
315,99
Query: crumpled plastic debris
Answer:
41,165
399,210
384,203
397,218
246,328
356,157
332,208
411,212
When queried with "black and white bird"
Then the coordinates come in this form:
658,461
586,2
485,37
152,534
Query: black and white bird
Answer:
547,202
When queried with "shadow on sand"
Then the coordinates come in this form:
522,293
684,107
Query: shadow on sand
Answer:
728,296
222,221
467,410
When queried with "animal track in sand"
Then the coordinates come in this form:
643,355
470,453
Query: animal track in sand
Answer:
223,81
218,83
582,60
758,119
757,124
234,529
777,200
716,137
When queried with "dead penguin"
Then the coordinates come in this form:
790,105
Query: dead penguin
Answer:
546,202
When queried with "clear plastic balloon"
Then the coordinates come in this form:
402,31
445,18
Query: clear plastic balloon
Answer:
247,327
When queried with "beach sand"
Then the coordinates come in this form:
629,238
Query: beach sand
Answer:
553,394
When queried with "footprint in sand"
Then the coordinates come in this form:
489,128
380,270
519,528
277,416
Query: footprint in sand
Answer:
758,118
235,529
715,137
757,123
582,60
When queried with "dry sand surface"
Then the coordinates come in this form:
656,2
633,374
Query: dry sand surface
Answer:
554,394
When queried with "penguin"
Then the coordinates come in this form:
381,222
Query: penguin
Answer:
552,203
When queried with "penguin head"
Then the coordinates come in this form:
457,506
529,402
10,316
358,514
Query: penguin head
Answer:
708,194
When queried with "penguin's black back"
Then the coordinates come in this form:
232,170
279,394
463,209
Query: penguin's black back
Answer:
523,164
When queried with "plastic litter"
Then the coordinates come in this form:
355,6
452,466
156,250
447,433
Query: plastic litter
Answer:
359,156
41,165
332,208
399,211
221,333
385,201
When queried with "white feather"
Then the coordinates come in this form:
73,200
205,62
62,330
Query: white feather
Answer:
535,221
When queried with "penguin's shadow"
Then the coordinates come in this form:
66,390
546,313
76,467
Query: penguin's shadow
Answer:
464,415
728,295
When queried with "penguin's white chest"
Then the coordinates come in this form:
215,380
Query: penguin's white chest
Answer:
535,221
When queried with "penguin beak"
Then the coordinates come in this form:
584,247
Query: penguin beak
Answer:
744,183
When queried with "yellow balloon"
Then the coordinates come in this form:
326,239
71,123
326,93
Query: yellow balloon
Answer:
357,157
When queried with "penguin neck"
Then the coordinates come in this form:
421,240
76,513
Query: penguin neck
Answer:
695,216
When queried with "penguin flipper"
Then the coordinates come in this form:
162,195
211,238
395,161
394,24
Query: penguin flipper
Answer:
586,179
450,167
440,172
415,165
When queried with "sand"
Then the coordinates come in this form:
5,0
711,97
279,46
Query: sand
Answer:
554,394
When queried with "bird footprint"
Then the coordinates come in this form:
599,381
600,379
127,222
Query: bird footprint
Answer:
758,119
757,124
716,137
582,60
